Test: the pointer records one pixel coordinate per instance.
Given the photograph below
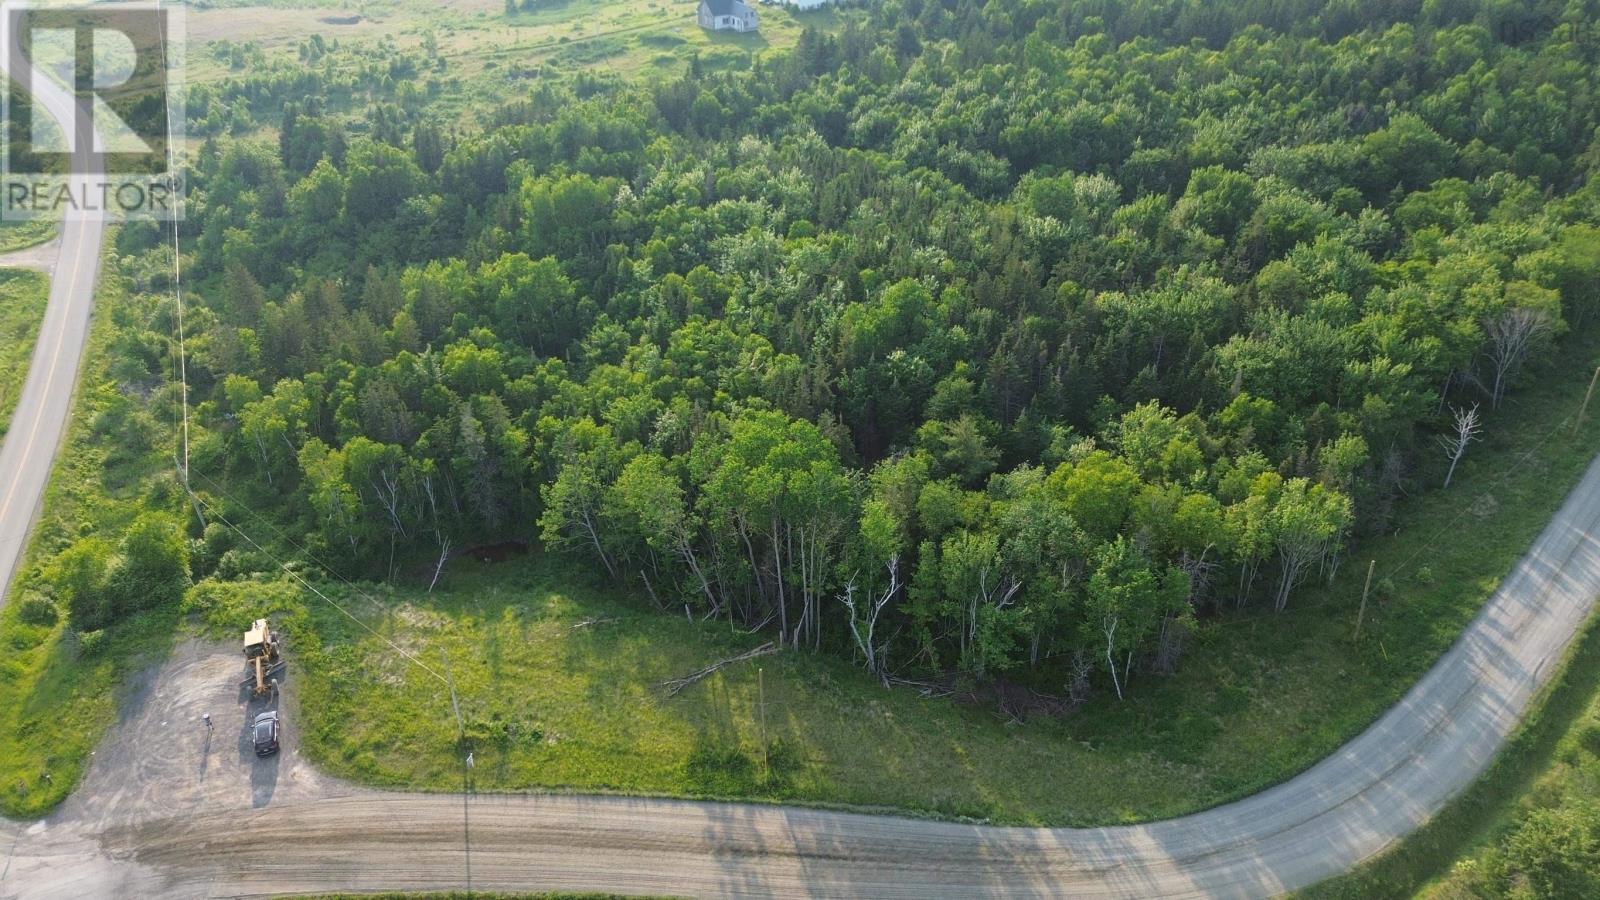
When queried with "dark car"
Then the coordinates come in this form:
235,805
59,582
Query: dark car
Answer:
266,736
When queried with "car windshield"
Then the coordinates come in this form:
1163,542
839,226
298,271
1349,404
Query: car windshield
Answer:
264,731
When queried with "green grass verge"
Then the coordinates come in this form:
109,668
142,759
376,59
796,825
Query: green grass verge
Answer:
563,705
25,234
1551,763
59,693
23,296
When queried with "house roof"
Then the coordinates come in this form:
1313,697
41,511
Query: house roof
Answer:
726,7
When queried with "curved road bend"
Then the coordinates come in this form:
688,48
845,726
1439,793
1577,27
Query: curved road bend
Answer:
1353,804
40,419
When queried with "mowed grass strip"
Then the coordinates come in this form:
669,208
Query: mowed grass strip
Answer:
23,296
557,673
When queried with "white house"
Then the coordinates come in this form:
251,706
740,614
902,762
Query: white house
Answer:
726,15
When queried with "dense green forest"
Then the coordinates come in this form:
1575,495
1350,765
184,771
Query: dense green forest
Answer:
1001,339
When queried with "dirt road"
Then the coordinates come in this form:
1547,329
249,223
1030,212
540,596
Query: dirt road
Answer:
153,818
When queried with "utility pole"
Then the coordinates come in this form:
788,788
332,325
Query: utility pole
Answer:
761,695
1362,612
466,771
1587,394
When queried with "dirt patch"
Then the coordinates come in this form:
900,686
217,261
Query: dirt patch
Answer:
160,759
1485,506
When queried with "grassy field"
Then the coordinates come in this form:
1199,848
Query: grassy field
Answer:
558,676
57,692
483,45
22,300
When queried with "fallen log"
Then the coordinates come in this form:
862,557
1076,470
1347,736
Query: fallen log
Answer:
586,623
674,685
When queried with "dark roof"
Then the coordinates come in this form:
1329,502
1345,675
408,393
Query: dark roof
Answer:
726,7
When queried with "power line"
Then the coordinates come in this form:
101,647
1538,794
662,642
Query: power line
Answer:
200,503
313,589
177,257
183,384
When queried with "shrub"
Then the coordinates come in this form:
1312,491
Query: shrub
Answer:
217,540
91,643
1556,852
79,575
37,610
230,606
1589,738
153,569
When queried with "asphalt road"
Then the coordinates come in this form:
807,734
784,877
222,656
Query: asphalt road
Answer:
170,810
40,419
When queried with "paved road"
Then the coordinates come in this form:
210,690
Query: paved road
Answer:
40,419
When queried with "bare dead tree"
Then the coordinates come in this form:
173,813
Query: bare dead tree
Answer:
1467,426
1109,627
444,556
1200,572
862,627
1511,334
1078,683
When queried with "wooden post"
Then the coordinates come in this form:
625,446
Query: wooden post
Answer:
1585,407
761,694
1362,612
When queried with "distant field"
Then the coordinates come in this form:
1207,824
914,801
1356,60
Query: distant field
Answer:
22,302
481,42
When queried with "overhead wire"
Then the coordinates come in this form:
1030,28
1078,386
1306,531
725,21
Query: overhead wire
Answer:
183,381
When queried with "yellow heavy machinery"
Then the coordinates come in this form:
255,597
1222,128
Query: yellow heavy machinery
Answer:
264,656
